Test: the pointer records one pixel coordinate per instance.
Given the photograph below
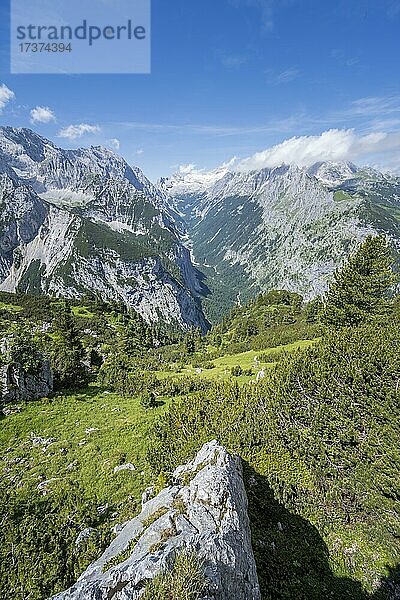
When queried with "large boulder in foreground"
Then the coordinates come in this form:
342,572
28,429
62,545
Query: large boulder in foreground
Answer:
205,511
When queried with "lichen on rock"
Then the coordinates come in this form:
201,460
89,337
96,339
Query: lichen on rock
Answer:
203,511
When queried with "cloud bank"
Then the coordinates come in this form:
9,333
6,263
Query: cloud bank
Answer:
114,143
336,145
72,132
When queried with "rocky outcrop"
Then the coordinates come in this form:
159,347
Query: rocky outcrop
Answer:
20,384
205,511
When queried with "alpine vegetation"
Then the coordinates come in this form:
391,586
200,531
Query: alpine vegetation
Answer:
244,326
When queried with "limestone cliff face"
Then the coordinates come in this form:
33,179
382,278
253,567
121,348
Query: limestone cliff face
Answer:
83,221
281,228
205,510
18,384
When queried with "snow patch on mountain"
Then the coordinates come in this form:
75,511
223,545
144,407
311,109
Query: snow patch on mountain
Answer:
331,173
66,197
191,180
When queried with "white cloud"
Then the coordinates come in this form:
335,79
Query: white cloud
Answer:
373,106
333,145
114,143
42,114
73,132
5,95
140,151
279,77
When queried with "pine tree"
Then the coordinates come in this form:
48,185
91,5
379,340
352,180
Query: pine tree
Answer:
68,352
148,399
313,310
190,342
133,335
22,348
361,288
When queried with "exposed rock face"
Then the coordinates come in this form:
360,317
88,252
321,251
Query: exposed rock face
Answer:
83,221
206,511
281,228
18,384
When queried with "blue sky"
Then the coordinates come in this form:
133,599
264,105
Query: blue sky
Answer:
234,78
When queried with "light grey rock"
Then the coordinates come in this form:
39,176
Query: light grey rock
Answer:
11,410
125,467
118,528
260,375
205,510
102,509
147,495
41,441
19,384
85,535
43,486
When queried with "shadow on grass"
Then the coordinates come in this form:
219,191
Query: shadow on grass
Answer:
89,392
390,586
292,558
81,394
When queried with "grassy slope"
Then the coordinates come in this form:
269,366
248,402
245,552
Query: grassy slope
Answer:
121,429
246,360
120,436
121,432
11,308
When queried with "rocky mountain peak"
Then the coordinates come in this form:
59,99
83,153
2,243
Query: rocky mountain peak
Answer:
333,173
84,220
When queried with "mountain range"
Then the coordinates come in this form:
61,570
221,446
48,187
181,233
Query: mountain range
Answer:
77,222
284,227
183,250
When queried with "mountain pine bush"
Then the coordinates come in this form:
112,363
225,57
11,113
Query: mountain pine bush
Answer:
361,288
